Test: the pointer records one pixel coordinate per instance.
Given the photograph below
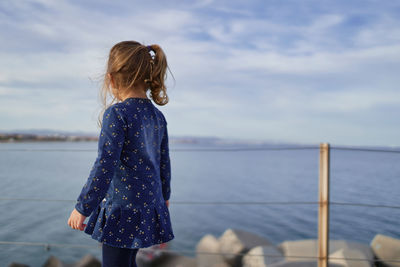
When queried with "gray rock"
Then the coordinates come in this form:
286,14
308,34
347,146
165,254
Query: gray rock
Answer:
209,244
342,256
272,255
170,259
15,264
53,261
386,248
235,241
88,261
303,248
343,244
300,264
309,248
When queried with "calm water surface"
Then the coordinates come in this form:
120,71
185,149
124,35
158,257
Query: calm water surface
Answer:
356,177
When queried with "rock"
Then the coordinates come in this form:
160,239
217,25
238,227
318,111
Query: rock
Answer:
300,264
309,248
88,261
170,259
209,244
349,254
304,248
364,249
15,264
235,241
386,248
252,260
53,261
295,264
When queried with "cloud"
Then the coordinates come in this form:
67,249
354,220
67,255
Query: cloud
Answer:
249,69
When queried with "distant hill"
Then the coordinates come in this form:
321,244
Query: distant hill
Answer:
40,135
55,135
48,132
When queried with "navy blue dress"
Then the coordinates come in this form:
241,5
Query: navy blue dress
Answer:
130,180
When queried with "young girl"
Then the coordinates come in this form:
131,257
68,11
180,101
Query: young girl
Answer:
128,188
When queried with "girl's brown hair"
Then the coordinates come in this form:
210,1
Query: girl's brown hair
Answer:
131,64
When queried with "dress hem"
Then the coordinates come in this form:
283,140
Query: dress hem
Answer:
134,247
104,217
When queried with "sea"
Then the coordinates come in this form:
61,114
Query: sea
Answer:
214,187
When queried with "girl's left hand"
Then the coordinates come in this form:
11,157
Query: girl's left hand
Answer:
76,220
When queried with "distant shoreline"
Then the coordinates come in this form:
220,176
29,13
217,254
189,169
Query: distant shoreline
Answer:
54,136
20,138
49,136
58,137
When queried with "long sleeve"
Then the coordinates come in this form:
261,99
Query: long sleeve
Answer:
165,166
111,141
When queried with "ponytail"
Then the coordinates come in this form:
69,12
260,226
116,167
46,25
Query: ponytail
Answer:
158,71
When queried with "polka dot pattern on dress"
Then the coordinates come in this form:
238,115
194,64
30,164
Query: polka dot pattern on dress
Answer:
129,182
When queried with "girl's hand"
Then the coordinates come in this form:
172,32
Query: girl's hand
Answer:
76,220
167,203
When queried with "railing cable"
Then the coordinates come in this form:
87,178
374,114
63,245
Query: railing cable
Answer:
365,149
228,202
228,149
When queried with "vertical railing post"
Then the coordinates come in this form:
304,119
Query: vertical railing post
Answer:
323,212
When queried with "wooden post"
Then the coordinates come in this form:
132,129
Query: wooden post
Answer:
323,212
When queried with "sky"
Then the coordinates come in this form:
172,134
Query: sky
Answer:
280,71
